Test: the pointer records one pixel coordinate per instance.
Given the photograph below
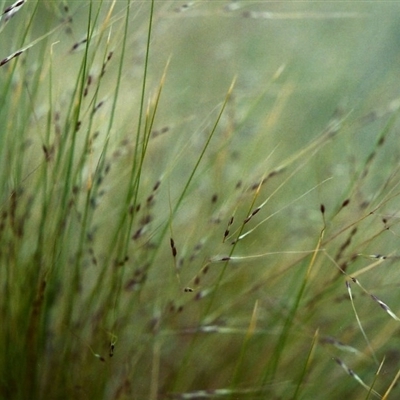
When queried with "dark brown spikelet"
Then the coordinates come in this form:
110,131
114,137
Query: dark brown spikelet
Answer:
96,108
226,233
150,199
103,70
9,58
183,7
88,83
156,186
346,203
158,132
173,248
12,9
252,215
146,220
14,6
46,152
77,44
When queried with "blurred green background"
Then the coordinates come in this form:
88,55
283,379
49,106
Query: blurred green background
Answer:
299,68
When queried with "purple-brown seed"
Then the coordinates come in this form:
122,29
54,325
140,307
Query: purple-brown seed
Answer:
346,202
156,186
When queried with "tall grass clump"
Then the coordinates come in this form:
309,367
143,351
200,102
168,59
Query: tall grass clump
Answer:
199,200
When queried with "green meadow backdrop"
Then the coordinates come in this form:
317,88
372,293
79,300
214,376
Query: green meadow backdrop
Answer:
199,200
